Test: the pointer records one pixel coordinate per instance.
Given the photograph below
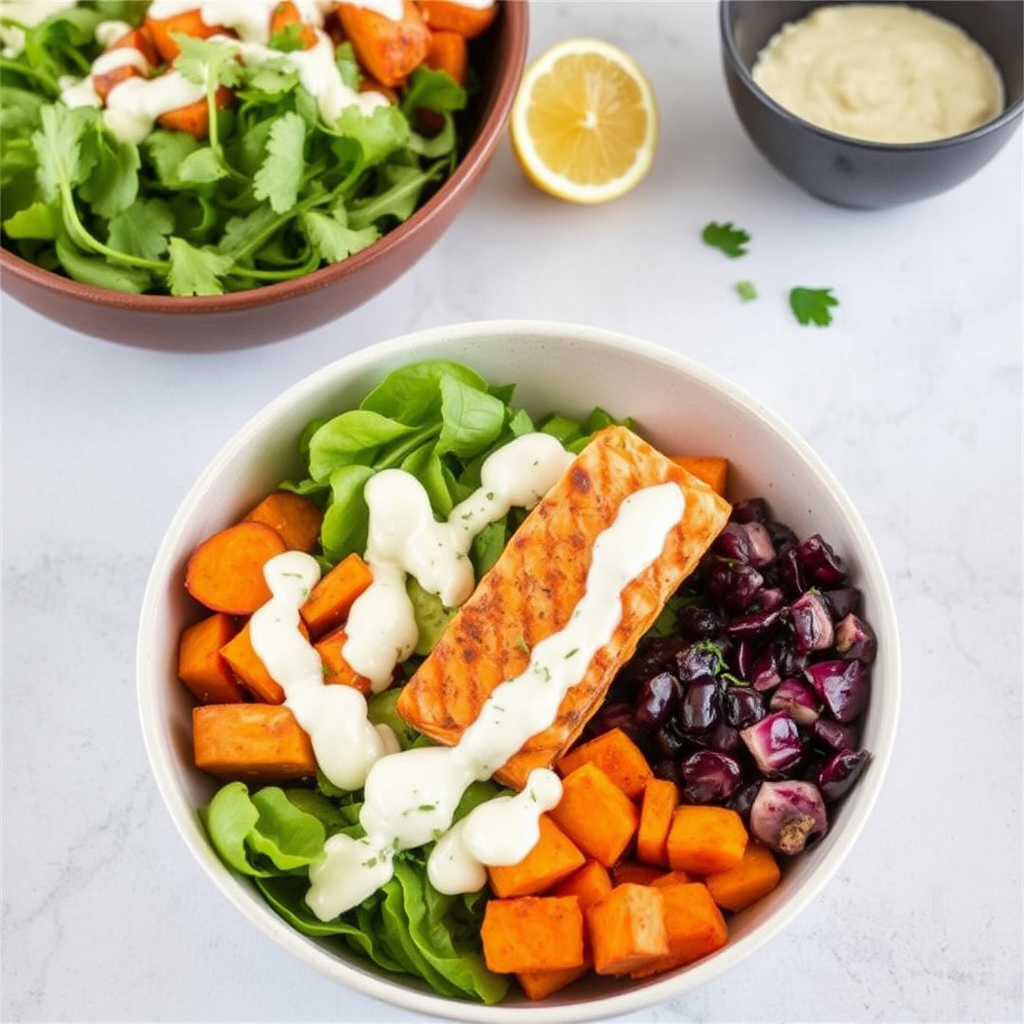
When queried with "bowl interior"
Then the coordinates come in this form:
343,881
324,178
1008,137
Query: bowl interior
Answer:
680,407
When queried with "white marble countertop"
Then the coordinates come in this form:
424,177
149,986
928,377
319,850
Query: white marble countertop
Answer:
912,395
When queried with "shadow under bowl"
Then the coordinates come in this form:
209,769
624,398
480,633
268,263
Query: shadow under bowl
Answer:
851,172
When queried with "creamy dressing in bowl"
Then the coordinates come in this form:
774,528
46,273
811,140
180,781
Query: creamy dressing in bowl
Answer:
885,73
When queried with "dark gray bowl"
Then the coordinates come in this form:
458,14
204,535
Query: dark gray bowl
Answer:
868,175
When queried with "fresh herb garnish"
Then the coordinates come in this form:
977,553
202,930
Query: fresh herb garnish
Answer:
745,290
811,305
726,237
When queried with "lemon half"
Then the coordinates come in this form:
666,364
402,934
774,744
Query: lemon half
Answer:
584,123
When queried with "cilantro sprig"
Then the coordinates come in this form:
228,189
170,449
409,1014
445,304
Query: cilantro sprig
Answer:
273,193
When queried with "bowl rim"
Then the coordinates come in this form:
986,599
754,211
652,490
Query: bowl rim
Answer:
514,20
1010,112
420,344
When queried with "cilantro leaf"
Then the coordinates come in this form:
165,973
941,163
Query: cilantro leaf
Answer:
205,61
397,196
433,90
40,220
289,38
731,240
200,167
113,183
196,271
280,175
142,229
58,144
811,305
166,151
332,239
99,271
384,132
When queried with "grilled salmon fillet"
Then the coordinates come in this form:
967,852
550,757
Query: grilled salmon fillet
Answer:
533,587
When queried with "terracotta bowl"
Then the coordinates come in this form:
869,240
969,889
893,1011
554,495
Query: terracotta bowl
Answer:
554,366
868,175
277,311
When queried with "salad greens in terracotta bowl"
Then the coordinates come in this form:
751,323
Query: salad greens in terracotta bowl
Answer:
213,174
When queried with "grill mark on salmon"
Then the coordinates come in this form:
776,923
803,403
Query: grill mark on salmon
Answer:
540,577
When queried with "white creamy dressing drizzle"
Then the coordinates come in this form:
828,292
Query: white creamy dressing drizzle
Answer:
28,12
134,105
344,741
410,798
405,538
881,72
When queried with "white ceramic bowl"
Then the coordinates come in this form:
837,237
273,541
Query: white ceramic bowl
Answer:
678,405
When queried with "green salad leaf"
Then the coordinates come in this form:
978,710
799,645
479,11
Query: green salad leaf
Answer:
436,419
272,835
263,833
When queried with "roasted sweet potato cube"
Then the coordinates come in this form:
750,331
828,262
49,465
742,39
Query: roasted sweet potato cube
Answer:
627,929
201,666
533,933
255,742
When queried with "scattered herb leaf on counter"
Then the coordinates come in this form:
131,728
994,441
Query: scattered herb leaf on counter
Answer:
730,239
811,305
745,290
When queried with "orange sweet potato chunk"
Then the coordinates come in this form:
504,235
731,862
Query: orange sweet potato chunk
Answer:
627,929
694,927
595,814
334,594
390,50
295,517
588,884
633,871
186,23
247,665
455,17
553,858
225,571
703,839
617,756
336,669
541,984
447,51
103,82
740,886
657,805
712,469
532,933
260,743
201,666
